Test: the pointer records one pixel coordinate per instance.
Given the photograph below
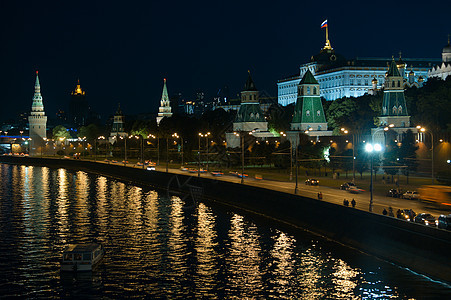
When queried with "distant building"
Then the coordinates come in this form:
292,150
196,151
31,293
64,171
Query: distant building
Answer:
339,77
37,120
117,130
444,69
165,106
79,109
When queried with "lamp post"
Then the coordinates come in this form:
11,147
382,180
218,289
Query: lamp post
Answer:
167,154
206,135
175,135
345,131
296,162
125,149
422,129
371,148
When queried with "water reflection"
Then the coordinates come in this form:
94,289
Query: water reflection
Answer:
243,259
157,248
206,253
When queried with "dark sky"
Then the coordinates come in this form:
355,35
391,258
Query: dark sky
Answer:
122,50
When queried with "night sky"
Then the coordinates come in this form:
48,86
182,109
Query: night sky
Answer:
122,50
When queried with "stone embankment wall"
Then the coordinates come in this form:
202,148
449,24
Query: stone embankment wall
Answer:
419,248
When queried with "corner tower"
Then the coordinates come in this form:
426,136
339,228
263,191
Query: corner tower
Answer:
250,115
165,105
394,109
37,120
308,112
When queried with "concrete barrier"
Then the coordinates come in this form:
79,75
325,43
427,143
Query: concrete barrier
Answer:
423,249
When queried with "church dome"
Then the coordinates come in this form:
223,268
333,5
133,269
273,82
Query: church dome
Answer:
447,49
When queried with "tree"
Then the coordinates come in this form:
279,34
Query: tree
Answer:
357,113
91,132
60,132
279,117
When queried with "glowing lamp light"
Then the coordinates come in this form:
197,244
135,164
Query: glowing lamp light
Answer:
370,148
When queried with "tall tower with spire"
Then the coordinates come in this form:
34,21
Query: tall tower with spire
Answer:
394,109
37,120
394,113
165,105
117,129
250,116
309,112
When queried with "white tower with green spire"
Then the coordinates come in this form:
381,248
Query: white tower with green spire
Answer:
37,121
165,105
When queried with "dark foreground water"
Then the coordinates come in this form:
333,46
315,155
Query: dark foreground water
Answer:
157,249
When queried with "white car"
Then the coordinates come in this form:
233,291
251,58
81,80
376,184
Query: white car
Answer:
412,195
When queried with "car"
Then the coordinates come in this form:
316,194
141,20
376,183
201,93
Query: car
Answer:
217,173
444,222
312,181
425,219
346,185
395,193
412,195
406,214
355,190
150,168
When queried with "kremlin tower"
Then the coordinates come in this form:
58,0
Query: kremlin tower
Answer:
37,120
165,106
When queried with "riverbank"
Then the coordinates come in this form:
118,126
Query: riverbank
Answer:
422,249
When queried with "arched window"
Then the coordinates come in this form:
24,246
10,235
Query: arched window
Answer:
393,84
307,113
308,90
399,83
314,91
400,109
252,115
394,109
318,113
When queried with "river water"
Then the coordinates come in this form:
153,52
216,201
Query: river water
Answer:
157,248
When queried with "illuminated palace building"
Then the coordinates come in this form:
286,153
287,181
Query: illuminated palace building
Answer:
339,77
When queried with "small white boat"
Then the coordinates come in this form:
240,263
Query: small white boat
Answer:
81,257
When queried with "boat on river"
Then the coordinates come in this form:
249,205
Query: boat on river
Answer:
81,257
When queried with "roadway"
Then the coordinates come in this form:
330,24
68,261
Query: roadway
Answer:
332,195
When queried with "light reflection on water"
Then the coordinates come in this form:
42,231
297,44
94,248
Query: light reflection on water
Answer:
157,248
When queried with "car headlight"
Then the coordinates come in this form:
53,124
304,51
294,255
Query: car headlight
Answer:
426,222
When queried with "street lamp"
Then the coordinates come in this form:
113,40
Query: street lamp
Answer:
175,135
422,129
241,135
371,148
206,136
345,131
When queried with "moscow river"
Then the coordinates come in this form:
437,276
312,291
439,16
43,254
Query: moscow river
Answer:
158,248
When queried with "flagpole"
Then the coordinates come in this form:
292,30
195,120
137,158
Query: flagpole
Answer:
327,34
